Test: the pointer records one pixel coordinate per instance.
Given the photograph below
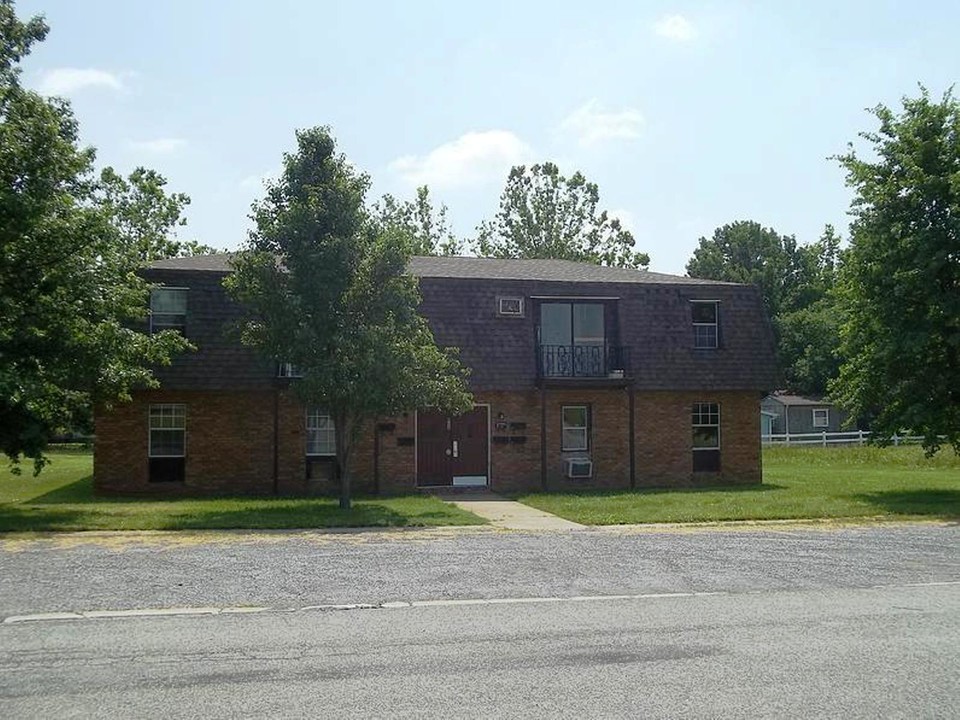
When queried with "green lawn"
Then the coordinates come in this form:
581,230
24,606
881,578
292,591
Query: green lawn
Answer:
62,498
812,482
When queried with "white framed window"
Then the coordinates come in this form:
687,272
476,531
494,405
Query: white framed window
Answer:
706,437
706,323
168,430
288,370
168,309
576,427
510,306
821,417
321,436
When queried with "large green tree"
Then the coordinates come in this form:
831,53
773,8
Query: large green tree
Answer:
900,281
746,252
796,282
544,214
427,227
145,216
327,290
69,297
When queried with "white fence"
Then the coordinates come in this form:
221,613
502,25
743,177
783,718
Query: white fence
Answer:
854,437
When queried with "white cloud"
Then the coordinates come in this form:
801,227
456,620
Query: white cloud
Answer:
471,159
66,81
158,146
591,124
675,27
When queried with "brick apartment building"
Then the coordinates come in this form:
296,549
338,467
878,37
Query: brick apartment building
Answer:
583,377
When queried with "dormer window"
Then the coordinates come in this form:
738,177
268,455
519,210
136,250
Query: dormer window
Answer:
706,323
288,370
168,309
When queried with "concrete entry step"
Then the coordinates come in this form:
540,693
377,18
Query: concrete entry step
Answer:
504,513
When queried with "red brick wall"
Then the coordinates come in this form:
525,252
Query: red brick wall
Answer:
514,453
609,444
664,444
230,443
397,462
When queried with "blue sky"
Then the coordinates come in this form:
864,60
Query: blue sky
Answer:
687,115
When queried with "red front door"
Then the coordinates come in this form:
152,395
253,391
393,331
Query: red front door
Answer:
453,450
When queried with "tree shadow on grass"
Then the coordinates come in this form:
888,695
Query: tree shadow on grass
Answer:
266,515
75,493
26,519
938,502
85,510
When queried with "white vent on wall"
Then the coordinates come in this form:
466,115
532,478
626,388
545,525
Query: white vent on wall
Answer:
510,306
579,468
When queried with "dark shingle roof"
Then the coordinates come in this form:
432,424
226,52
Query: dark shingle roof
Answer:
542,270
651,316
480,268
218,262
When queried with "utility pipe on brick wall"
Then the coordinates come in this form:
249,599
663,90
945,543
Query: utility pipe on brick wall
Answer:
376,458
632,440
276,441
543,437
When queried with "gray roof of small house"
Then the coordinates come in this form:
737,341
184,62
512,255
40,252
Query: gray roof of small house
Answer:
480,269
785,399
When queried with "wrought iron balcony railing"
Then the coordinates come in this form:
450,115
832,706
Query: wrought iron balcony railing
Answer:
583,361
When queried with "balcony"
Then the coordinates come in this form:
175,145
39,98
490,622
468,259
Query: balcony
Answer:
566,363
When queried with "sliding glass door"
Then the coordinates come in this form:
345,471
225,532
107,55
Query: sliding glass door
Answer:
572,339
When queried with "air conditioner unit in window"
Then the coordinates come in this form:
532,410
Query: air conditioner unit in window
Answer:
579,468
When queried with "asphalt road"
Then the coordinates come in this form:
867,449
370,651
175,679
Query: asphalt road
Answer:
856,623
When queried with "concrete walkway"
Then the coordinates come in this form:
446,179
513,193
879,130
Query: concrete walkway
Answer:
507,514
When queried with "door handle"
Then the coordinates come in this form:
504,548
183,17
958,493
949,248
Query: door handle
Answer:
447,451
456,449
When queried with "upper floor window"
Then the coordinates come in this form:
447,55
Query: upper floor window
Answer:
288,370
706,322
168,309
573,340
821,417
321,435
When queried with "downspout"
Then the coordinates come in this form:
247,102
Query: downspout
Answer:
376,458
543,436
632,424
276,440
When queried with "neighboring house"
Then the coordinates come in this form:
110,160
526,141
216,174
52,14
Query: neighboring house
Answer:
766,422
797,415
583,376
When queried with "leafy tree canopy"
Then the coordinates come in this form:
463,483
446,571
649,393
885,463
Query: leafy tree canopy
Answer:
68,293
428,228
546,215
145,216
900,282
747,252
327,290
